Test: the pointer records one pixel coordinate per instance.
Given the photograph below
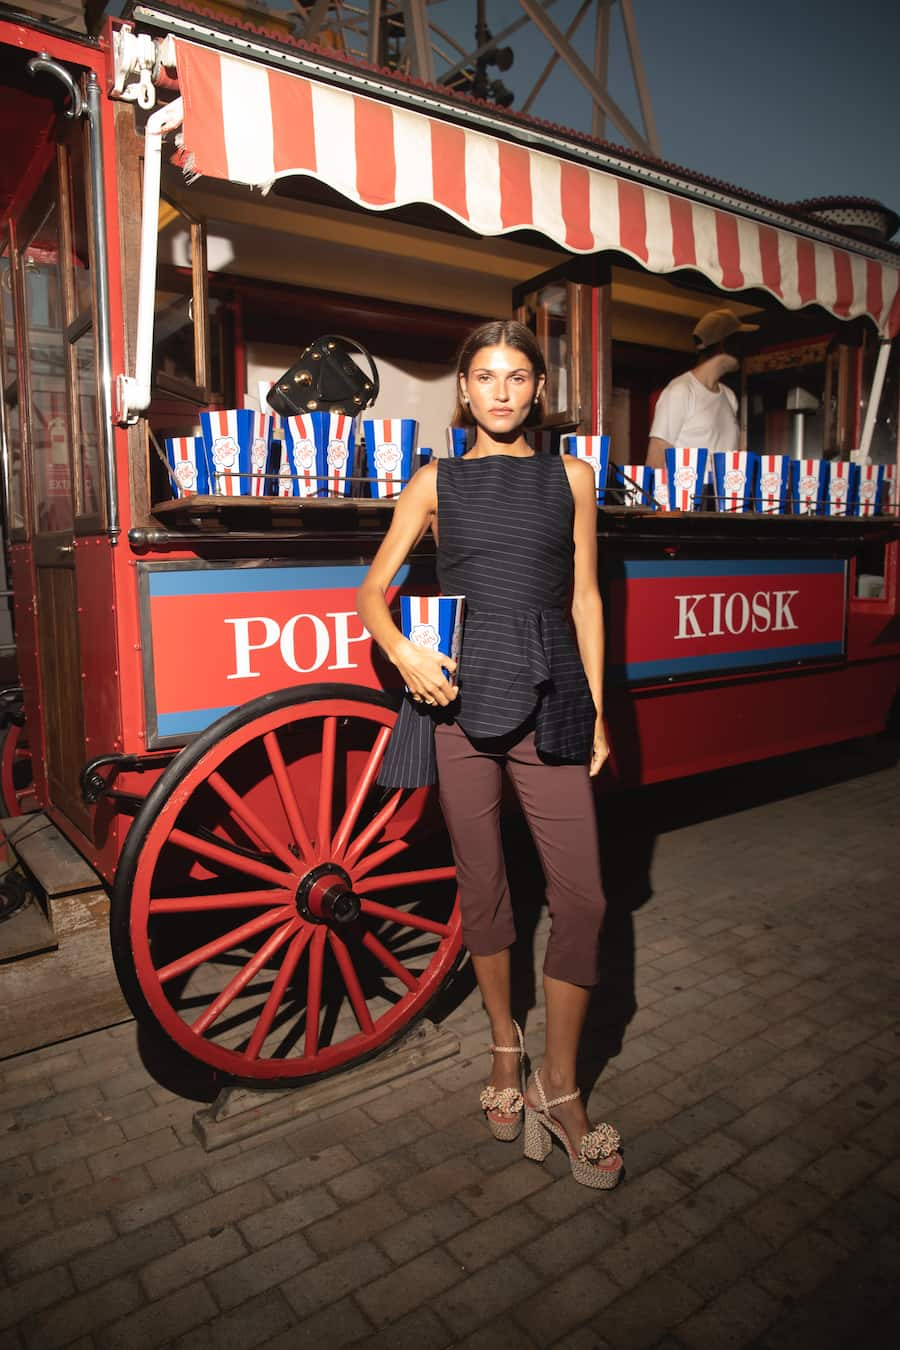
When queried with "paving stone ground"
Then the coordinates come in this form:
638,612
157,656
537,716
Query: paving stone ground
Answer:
745,1040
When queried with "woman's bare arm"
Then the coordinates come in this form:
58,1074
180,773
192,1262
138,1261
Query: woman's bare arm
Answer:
414,512
587,606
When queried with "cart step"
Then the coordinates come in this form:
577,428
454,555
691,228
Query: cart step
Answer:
239,1113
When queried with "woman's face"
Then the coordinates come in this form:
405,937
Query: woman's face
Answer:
501,387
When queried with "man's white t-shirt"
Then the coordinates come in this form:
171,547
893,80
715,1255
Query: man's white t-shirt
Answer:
689,414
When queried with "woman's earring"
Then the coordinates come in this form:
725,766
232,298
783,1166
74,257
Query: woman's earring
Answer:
465,399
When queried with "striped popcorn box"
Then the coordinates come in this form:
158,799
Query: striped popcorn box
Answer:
734,480
809,480
635,482
593,449
661,496
840,495
186,457
390,445
298,476
871,489
426,454
773,484
435,622
457,440
334,435
261,465
229,435
686,470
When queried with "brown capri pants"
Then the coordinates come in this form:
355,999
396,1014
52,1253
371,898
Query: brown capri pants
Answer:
559,806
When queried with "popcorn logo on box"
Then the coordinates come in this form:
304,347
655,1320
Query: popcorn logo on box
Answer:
225,452
424,635
186,475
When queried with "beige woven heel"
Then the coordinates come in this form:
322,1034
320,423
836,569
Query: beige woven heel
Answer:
506,1101
600,1142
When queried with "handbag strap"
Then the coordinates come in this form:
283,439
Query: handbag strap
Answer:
356,346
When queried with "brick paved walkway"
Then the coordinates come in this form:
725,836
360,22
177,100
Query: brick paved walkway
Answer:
756,1087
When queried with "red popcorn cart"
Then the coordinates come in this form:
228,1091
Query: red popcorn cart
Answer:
205,713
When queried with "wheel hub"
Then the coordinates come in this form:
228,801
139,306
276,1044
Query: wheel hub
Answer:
325,895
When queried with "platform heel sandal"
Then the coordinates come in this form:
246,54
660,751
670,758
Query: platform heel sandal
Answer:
600,1143
506,1101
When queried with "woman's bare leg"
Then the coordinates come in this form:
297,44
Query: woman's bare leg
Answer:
566,1008
492,974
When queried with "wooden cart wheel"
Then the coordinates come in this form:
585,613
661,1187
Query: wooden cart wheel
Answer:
275,912
16,776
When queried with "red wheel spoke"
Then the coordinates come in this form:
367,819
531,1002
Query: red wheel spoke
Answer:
251,821
354,989
202,1023
360,792
400,916
219,945
187,904
374,827
238,861
286,793
314,992
390,961
380,856
421,878
326,785
276,993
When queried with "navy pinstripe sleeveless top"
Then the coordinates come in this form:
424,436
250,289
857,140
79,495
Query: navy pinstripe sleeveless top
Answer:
505,543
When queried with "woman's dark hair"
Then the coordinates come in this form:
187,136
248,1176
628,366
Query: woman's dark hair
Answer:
499,333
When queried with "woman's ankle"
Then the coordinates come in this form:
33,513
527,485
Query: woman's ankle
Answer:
557,1079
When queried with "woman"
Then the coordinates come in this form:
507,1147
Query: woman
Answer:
516,534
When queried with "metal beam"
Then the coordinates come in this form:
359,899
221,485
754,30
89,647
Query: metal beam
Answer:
551,64
471,57
315,18
556,39
374,51
640,78
418,42
601,63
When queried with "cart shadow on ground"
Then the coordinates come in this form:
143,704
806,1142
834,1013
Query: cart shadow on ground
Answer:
629,825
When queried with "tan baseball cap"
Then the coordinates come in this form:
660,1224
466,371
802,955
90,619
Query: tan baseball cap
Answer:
718,325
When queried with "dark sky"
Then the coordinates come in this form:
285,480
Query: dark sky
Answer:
789,98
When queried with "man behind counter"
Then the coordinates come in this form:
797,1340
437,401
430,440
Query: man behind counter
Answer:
695,409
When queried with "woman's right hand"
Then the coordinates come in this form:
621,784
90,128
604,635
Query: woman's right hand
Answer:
423,673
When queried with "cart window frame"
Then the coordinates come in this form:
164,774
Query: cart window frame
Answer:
15,486
58,195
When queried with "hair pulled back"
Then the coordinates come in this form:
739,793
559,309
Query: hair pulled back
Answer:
499,333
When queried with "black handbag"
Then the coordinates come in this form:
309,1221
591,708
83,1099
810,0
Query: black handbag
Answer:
325,379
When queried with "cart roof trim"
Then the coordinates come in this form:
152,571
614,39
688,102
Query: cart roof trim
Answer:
272,112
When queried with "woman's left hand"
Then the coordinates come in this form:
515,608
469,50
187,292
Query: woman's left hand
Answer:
600,752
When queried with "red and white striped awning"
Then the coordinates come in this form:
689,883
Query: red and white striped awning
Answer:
252,124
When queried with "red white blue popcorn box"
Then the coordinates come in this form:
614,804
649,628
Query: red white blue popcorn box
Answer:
238,445
299,473
734,479
434,622
457,441
261,466
335,439
635,484
840,493
426,454
186,456
661,491
390,447
773,484
686,470
595,451
870,491
809,483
